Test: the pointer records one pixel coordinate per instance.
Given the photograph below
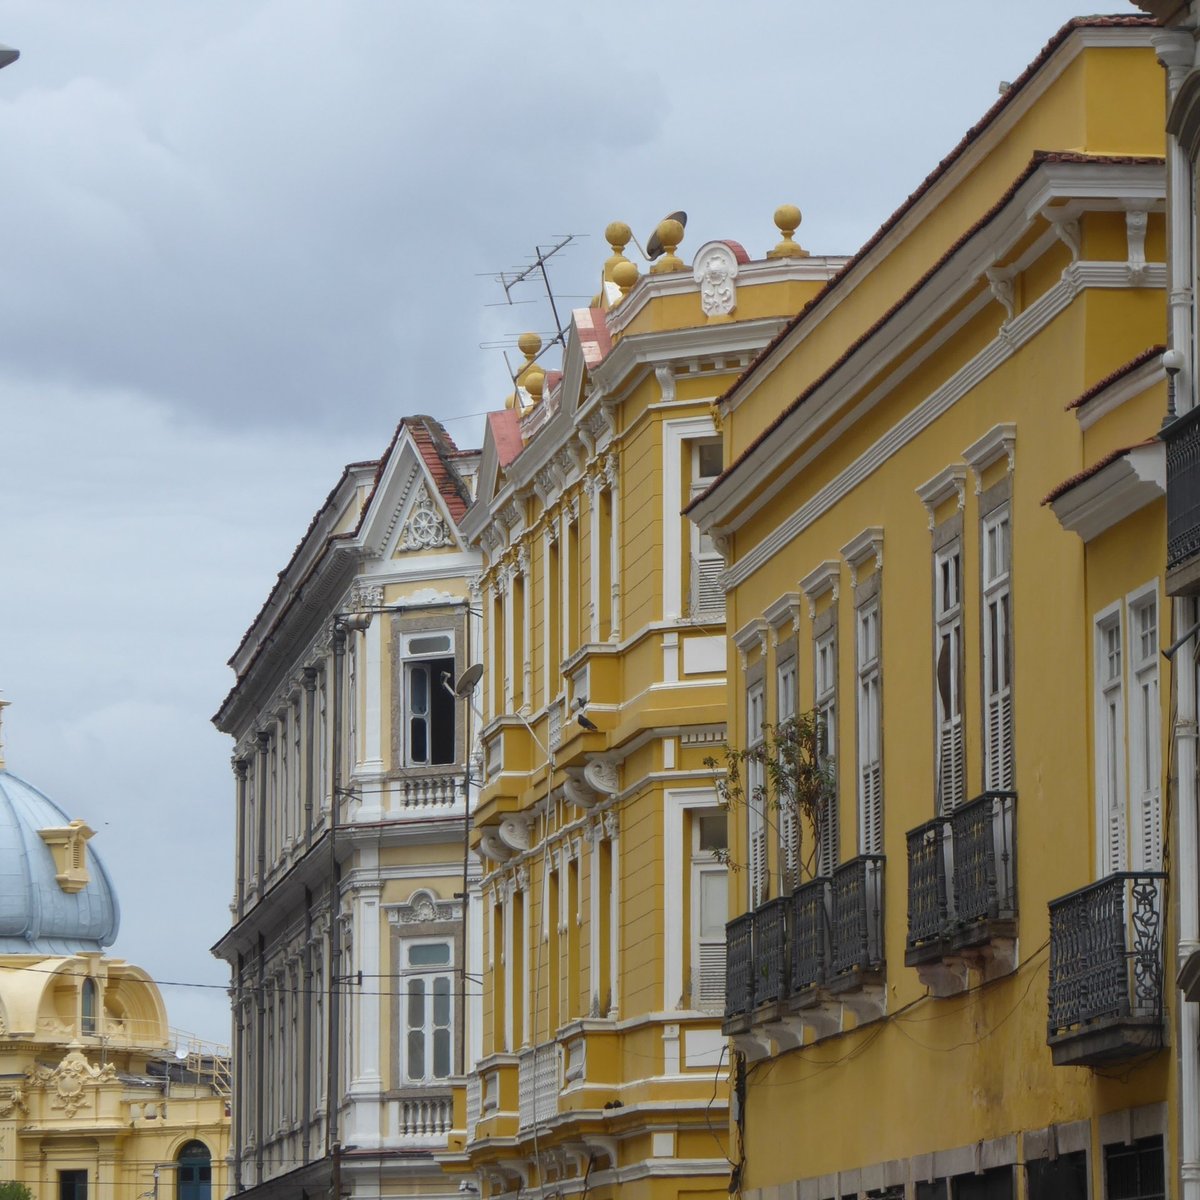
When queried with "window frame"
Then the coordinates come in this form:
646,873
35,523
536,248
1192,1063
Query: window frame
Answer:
949,711
999,758
1111,779
427,973
868,654
410,662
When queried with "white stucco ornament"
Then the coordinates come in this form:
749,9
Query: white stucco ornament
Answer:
425,529
715,269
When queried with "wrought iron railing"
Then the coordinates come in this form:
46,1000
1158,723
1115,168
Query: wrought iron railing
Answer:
1106,952
1182,437
770,951
739,965
984,834
857,906
928,899
809,941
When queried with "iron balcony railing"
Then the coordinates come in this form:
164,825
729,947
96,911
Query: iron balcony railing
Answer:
808,915
826,929
857,915
983,834
1106,953
1182,438
961,876
770,951
928,898
739,965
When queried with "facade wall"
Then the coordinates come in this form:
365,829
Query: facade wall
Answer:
918,1049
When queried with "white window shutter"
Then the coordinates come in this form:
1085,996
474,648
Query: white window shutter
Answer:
707,595
871,816
708,976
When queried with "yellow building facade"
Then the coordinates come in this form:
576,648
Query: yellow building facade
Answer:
99,1097
603,1066
944,531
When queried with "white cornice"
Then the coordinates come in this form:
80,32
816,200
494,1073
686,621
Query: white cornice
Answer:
752,634
820,580
1121,392
999,442
964,165
1113,493
860,550
950,481
779,612
649,288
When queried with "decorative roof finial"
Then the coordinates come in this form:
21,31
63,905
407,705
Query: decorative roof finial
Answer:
787,220
625,275
531,376
617,235
670,233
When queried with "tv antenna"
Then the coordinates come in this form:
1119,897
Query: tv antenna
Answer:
509,280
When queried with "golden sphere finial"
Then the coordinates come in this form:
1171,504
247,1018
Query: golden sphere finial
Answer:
534,383
617,235
529,344
670,234
787,221
625,275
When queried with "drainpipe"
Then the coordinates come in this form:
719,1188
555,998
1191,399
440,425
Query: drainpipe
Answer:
1176,50
307,1029
310,695
240,770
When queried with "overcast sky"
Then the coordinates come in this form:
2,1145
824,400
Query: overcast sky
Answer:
239,240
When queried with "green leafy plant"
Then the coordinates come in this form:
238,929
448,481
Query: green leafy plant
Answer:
797,777
11,1190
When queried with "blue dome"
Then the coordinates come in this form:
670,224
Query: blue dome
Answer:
36,915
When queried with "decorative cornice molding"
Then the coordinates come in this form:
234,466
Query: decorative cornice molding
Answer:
1000,441
817,582
948,482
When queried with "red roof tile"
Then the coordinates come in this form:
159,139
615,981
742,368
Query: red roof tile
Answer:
1039,158
1095,469
506,433
1132,365
972,135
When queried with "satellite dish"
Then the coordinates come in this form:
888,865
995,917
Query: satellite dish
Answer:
467,681
8,55
654,247
602,777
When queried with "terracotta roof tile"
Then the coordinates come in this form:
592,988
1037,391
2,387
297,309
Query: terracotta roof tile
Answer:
1132,365
972,135
1094,469
1039,158
506,433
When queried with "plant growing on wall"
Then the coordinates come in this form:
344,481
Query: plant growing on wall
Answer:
10,1190
787,777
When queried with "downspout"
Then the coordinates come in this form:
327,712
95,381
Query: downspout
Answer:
335,950
260,1009
240,769
310,689
239,1087
306,1028
1176,50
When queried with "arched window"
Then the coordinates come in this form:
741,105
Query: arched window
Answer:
88,1008
195,1172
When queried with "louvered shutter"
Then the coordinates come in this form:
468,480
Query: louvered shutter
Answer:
871,809
708,597
827,850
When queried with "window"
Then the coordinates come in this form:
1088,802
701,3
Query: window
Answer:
789,823
997,653
427,995
995,1184
1110,742
947,605
429,699
194,1172
870,749
1135,1172
707,596
87,1008
1145,742
710,910
825,694
756,799
1062,1178
72,1185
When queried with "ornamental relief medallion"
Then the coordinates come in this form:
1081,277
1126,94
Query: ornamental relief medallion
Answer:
425,529
70,1081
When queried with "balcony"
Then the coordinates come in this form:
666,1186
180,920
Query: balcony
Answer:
1182,438
962,897
1106,970
795,961
537,1085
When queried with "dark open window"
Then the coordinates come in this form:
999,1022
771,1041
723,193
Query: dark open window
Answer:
430,711
1135,1172
1064,1178
87,1007
195,1172
996,1184
72,1185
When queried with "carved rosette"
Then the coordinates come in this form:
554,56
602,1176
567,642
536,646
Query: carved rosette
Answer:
425,528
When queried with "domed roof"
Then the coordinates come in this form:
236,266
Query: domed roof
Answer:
39,912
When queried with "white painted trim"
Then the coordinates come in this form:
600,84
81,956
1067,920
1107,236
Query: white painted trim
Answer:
999,441
779,612
1124,487
675,433
949,481
820,580
1102,800
860,549
677,801
1121,392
